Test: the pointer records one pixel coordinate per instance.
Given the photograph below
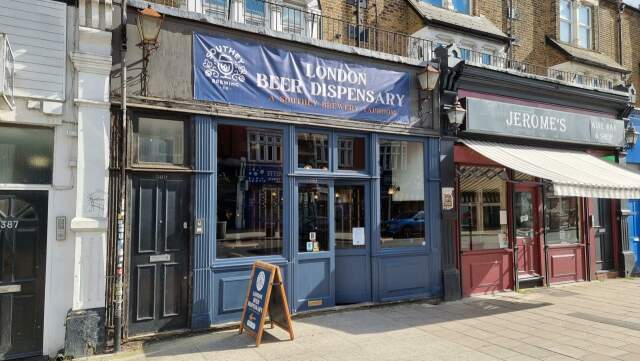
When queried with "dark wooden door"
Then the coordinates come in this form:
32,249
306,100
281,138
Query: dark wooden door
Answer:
159,254
525,214
23,240
603,235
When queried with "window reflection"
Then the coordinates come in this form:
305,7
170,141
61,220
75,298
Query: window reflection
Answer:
402,194
313,221
159,141
26,155
313,151
482,198
249,192
562,220
351,153
349,215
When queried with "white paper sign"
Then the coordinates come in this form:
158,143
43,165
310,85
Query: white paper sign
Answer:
358,236
502,240
503,217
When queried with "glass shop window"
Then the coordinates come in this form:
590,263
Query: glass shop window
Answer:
351,153
158,140
249,194
313,151
313,217
562,220
482,201
402,193
26,155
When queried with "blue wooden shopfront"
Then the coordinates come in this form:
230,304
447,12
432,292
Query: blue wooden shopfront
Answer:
386,265
350,212
633,157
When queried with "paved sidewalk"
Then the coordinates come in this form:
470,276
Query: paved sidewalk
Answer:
586,321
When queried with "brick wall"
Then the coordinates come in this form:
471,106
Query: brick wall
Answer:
631,45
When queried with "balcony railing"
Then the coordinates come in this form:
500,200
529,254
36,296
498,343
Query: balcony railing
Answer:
314,25
502,63
309,24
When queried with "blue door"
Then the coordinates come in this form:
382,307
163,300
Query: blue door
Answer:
352,242
634,231
313,232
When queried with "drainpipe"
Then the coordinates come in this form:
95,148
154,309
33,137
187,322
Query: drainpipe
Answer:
510,13
121,212
621,7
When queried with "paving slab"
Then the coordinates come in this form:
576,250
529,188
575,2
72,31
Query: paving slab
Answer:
584,321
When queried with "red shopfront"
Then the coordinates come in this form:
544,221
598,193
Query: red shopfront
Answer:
536,203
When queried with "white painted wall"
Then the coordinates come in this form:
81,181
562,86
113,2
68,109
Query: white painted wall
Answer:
36,30
461,39
49,45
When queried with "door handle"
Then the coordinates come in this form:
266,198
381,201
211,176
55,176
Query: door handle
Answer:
10,289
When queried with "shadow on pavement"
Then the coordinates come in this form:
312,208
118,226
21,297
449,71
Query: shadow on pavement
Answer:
372,320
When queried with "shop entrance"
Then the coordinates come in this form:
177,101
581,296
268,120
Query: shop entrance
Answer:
353,266
333,263
603,235
527,233
158,290
23,241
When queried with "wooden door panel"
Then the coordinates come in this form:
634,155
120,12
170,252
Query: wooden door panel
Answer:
565,264
159,260
487,272
23,223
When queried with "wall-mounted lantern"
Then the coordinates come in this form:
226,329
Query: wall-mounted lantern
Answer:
149,22
456,114
429,77
630,136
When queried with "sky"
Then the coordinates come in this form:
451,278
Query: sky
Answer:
635,3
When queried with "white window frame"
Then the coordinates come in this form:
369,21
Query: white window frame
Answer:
575,25
566,20
580,26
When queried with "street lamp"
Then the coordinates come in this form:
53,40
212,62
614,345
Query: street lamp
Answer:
429,77
630,136
456,114
149,23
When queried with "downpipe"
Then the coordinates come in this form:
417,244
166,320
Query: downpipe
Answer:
118,314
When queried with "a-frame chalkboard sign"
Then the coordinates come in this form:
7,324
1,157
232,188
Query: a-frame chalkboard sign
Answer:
265,296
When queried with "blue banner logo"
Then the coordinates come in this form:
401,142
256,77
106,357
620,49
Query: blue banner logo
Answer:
251,74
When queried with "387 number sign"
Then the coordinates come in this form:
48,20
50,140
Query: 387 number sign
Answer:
9,224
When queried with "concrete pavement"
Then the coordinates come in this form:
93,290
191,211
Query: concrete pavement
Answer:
585,321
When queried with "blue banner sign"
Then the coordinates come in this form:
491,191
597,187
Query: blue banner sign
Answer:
248,73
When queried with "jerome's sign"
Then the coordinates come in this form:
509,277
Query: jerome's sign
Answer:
493,117
251,74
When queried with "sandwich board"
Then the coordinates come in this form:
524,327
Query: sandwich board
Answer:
265,296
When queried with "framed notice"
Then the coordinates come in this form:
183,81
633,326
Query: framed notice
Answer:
265,296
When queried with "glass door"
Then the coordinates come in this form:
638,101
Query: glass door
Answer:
315,264
351,234
526,233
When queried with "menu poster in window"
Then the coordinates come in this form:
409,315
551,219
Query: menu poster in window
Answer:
447,198
357,234
265,296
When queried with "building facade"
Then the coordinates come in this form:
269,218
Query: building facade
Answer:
53,177
255,139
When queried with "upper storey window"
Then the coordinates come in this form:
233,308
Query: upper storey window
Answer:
576,23
461,6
